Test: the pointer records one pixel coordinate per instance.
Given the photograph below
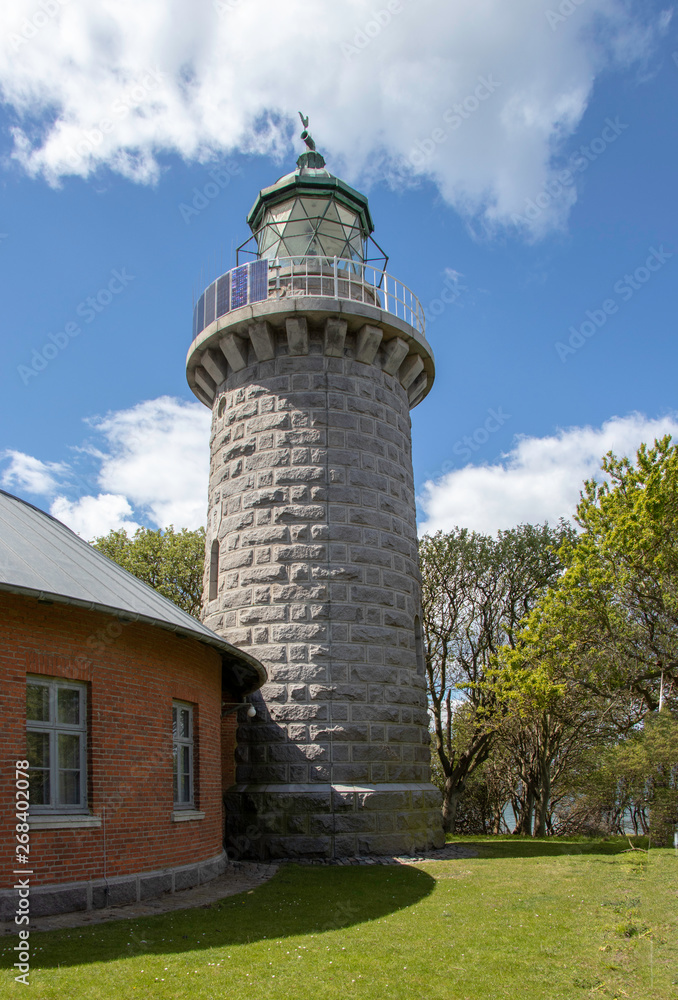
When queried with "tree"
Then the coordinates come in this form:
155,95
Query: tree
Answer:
550,724
635,779
614,614
169,561
601,643
475,591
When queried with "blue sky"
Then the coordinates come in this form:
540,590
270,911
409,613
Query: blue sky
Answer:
544,209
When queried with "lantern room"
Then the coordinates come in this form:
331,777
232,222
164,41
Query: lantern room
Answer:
310,213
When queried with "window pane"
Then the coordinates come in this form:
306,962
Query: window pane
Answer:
175,751
38,774
69,788
68,706
69,751
38,749
185,722
185,774
174,723
37,702
38,787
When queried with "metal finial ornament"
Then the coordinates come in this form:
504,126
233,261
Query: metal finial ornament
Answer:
311,158
305,134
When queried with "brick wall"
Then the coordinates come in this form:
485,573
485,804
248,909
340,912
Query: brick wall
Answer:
133,672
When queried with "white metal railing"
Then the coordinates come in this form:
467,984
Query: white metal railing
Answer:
291,277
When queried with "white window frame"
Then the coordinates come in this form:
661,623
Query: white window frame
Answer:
177,743
53,728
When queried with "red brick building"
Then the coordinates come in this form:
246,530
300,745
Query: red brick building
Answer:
124,707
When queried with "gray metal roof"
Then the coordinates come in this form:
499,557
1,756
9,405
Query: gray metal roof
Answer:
41,557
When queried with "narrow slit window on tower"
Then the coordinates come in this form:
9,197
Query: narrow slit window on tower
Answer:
214,570
419,645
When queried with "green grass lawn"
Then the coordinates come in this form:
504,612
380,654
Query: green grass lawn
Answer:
526,919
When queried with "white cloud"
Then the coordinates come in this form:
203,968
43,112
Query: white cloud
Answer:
158,457
124,83
25,472
91,517
151,466
538,480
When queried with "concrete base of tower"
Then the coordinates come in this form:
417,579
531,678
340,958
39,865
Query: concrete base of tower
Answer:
266,822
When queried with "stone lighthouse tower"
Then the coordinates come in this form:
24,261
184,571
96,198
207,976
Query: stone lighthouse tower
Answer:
310,359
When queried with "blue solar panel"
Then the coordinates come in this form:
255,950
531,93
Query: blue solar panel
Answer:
209,304
223,294
201,313
239,287
258,280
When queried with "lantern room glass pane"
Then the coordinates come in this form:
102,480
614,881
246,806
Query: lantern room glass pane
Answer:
345,214
278,213
310,226
332,230
298,211
315,207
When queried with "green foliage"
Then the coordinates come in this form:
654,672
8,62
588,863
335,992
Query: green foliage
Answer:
169,561
614,615
475,591
636,777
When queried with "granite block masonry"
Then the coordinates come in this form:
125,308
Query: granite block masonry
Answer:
311,553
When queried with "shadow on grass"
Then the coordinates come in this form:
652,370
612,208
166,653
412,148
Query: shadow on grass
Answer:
297,901
528,847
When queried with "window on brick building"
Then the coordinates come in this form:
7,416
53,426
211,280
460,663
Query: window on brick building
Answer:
56,724
182,739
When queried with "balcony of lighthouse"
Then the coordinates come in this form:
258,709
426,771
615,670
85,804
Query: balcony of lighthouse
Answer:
273,304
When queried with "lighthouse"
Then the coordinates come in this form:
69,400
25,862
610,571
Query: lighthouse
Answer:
311,355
